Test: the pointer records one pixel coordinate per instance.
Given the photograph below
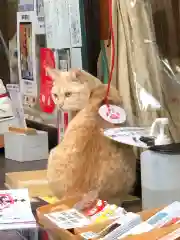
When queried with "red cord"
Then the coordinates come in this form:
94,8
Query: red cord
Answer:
113,52
3,95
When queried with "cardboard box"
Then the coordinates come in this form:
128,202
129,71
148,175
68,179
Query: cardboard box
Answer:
57,233
22,148
35,181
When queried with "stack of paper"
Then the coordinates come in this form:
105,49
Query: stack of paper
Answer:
15,210
160,219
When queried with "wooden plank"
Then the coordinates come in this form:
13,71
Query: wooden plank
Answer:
1,141
104,20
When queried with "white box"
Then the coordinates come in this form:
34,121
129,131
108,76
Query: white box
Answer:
76,58
22,148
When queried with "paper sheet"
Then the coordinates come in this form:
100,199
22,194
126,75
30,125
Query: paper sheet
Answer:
15,210
68,219
128,135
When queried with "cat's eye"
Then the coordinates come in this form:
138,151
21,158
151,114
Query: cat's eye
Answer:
68,94
55,96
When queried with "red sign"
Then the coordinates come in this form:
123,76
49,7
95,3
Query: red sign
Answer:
45,100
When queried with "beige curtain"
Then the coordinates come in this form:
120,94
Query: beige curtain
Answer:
139,66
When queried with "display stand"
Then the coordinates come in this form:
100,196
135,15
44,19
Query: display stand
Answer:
29,25
32,145
66,43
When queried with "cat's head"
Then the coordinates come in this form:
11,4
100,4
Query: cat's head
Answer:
71,90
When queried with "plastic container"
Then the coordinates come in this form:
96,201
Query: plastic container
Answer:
160,178
158,130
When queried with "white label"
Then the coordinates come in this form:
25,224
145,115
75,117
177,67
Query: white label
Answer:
75,24
62,32
68,219
17,104
62,23
40,7
49,22
57,24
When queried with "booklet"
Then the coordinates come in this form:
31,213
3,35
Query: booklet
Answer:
15,210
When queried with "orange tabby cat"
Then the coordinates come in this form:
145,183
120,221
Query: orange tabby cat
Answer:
86,160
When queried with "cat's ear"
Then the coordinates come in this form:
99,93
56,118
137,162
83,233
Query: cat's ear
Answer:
53,73
87,77
75,74
84,77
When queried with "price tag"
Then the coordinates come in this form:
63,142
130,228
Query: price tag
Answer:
112,114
